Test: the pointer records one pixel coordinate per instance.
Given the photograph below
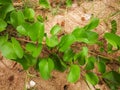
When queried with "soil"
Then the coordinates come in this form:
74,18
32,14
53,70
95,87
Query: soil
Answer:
13,77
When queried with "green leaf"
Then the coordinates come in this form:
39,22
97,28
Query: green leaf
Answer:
17,48
3,39
44,3
82,56
66,42
74,73
113,39
101,67
58,63
45,68
3,25
114,26
82,35
55,29
29,13
27,61
40,18
5,9
17,18
78,32
68,55
8,51
52,41
5,1
69,3
92,78
35,50
90,63
36,31
21,30
92,25
113,77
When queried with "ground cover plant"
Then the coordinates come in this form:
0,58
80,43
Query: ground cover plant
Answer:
59,48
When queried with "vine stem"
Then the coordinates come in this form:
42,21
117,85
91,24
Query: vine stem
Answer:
109,58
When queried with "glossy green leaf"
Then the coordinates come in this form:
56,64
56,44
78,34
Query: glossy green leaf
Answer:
45,68
69,3
35,50
44,3
52,41
5,9
101,67
113,39
8,51
21,30
68,55
92,25
3,25
29,13
17,18
74,73
66,42
59,65
90,63
82,56
55,29
92,78
27,61
113,77
17,48
36,31
114,26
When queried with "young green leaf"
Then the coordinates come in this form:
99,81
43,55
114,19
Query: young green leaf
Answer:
113,39
90,63
52,41
112,76
17,48
66,42
21,30
44,3
8,51
101,67
81,56
3,25
114,26
92,25
68,55
5,8
40,18
17,18
69,3
35,50
92,78
29,13
55,29
74,73
45,68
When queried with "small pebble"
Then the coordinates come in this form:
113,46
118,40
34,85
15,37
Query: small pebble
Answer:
32,83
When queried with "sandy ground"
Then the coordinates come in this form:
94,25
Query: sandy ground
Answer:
12,77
